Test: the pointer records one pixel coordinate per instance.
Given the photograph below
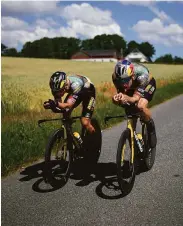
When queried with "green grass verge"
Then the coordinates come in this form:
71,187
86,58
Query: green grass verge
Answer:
24,142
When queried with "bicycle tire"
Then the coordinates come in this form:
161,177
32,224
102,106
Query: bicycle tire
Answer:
53,174
150,153
125,170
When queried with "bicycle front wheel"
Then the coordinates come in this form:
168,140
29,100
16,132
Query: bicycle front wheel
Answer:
125,160
57,159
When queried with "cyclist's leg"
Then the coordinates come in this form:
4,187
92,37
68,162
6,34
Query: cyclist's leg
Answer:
146,113
88,108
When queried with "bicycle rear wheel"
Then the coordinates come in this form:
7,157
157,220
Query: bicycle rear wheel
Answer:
57,159
150,153
125,163
93,143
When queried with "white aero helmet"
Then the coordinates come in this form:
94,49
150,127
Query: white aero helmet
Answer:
124,70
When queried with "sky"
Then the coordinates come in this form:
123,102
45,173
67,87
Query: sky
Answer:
158,22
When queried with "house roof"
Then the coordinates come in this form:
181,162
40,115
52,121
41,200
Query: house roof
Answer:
94,53
136,51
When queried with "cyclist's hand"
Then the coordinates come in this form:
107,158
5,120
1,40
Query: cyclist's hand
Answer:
123,100
46,105
120,99
50,104
117,97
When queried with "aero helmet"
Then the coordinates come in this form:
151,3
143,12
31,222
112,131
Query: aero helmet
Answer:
124,70
58,81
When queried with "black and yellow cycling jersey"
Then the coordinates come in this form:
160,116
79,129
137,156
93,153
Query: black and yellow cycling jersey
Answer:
82,91
143,83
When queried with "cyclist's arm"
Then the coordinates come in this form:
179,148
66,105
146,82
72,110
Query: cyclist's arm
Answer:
135,98
65,105
143,81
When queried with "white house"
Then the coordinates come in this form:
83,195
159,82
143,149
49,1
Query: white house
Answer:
136,55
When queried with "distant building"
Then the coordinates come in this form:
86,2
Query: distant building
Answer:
136,56
95,55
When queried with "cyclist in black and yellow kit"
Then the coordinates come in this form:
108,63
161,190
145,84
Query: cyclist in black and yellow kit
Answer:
135,85
79,89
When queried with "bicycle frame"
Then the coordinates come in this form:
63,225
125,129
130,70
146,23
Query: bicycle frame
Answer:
130,126
67,128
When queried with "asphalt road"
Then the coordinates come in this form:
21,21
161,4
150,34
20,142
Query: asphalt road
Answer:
156,199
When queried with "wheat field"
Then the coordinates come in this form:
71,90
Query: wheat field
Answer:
25,81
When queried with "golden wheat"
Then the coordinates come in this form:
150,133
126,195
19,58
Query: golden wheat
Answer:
25,81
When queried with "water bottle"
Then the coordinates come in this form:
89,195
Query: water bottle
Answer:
139,135
78,138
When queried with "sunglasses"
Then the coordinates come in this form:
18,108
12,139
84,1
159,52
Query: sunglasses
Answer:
125,80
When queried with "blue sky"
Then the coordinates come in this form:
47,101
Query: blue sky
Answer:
160,23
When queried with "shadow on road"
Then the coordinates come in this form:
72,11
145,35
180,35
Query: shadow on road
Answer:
36,171
84,174
104,173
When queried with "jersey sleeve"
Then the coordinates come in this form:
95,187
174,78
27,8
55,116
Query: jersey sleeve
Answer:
143,81
76,87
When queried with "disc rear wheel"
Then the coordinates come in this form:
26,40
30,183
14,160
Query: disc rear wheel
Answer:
93,143
150,153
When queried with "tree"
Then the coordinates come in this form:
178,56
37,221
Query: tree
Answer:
131,46
27,50
167,58
10,52
59,47
105,42
178,60
118,43
147,49
3,48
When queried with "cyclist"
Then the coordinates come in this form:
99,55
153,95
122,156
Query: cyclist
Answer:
135,86
79,89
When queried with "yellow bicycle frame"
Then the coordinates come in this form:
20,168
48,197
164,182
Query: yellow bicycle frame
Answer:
130,127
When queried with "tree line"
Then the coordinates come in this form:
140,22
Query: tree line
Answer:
168,59
64,48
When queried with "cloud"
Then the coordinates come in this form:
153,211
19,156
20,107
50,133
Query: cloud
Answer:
89,21
46,23
27,7
88,14
156,31
10,23
91,30
151,4
161,14
81,20
15,31
137,2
